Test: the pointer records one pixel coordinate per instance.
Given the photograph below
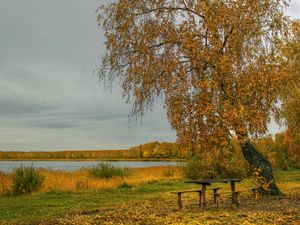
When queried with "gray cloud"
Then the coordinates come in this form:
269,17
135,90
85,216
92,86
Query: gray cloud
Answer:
294,9
49,96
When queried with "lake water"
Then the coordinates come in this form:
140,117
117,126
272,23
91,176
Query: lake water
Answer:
8,166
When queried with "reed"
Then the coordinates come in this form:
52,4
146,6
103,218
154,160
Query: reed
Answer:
5,183
81,180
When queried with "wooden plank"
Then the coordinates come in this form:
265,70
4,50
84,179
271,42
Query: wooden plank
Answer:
221,180
187,191
216,188
198,182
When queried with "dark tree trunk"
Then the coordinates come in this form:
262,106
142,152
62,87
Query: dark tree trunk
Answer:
261,168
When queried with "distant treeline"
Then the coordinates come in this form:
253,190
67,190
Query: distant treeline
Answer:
146,151
281,150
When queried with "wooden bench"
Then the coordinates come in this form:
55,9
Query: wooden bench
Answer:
179,193
235,196
200,192
215,191
206,182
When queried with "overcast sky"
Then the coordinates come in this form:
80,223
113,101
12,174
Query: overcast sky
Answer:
50,98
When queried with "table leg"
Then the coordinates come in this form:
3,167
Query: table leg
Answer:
200,199
204,195
215,195
232,185
179,201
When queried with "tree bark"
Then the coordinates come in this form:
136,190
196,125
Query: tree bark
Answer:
262,169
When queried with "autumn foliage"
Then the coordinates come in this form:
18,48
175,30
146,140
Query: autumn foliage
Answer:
291,96
213,61
218,65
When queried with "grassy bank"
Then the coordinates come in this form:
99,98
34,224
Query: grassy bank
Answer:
149,201
82,181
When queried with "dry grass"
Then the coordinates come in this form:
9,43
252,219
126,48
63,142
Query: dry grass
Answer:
81,180
5,183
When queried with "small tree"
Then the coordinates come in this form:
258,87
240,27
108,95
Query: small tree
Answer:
215,62
26,180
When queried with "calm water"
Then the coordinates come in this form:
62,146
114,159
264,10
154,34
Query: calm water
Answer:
8,166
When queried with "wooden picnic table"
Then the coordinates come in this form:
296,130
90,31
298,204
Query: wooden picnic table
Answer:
207,182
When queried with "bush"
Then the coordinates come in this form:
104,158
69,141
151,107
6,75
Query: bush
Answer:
224,162
26,180
107,171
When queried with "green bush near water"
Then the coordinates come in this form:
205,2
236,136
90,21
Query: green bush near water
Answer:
107,171
223,162
26,180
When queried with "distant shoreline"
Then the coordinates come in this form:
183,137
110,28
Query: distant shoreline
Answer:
93,160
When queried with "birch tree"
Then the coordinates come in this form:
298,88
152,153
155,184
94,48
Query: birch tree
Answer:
215,62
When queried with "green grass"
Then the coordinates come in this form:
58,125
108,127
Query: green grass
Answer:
151,203
35,207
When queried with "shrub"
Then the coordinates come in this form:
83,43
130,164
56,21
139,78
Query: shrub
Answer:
107,171
26,180
224,162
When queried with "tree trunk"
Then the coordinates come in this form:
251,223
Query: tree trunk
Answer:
262,169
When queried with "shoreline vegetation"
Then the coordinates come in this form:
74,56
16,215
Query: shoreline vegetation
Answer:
277,149
85,179
99,159
153,151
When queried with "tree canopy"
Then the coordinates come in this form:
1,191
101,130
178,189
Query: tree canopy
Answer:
291,96
215,63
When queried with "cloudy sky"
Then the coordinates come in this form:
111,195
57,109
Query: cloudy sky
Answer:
50,97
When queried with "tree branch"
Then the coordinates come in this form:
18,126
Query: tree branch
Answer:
225,40
164,8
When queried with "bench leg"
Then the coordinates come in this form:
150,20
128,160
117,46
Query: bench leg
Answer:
179,201
204,200
217,200
200,199
215,196
237,200
232,185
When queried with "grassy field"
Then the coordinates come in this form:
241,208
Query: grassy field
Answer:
146,199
